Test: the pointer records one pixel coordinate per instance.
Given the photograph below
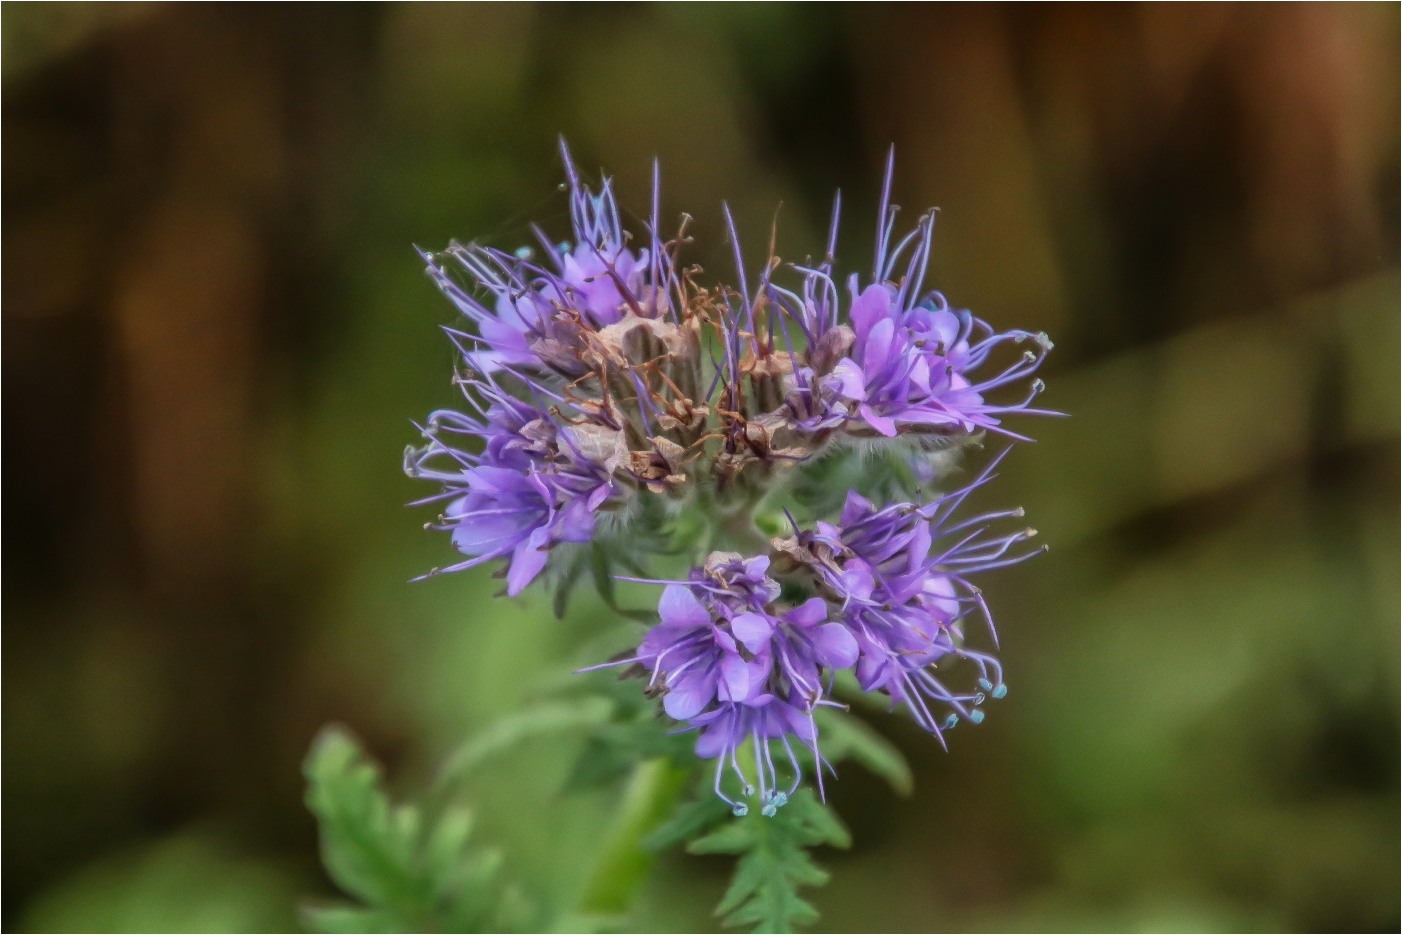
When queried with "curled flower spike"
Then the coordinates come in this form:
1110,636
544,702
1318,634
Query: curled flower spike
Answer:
899,578
590,372
540,317
535,483
611,399
906,361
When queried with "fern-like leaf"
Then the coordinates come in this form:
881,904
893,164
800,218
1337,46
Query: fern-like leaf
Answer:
409,874
774,862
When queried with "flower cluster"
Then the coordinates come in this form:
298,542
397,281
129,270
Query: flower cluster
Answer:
604,383
891,594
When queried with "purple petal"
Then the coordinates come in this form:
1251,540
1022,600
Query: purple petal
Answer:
574,523
811,612
503,337
527,560
919,546
920,375
882,424
680,607
718,737
495,480
835,646
479,535
852,380
600,494
855,507
689,696
878,350
735,678
724,640
800,723
754,630
757,566
869,308
857,577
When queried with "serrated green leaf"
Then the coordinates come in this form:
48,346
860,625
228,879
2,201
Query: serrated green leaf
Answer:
443,851
774,862
413,874
735,838
819,824
749,874
845,735
362,841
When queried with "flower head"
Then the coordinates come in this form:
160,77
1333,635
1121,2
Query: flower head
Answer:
536,482
906,361
602,382
899,577
539,317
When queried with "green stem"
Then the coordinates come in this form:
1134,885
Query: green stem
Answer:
653,790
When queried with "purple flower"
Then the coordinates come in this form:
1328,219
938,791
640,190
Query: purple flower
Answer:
712,643
907,362
524,514
912,366
729,663
727,726
535,316
536,483
899,577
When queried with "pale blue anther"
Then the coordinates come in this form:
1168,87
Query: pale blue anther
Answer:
976,716
769,810
563,246
740,811
1000,691
951,721
524,253
978,699
781,799
985,684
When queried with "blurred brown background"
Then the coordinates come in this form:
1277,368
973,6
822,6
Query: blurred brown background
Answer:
216,333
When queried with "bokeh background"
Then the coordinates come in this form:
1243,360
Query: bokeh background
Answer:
216,332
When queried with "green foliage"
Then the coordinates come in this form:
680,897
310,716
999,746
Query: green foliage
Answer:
633,734
551,717
690,820
624,859
774,862
845,735
408,873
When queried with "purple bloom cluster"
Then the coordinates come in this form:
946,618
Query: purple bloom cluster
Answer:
892,596
537,481
904,361
603,383
541,317
593,366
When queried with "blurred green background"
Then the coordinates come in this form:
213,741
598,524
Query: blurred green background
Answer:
216,333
